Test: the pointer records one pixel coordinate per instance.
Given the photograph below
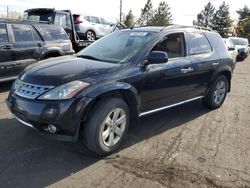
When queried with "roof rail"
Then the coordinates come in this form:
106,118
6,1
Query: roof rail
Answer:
24,21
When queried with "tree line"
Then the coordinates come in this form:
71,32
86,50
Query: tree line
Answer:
160,16
218,20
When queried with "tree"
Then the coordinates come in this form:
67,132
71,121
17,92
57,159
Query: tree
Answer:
243,13
162,15
205,17
129,19
147,14
222,21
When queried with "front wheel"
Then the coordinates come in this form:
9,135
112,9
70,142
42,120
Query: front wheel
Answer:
217,94
107,126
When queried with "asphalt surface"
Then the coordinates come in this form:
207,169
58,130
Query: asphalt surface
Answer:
186,146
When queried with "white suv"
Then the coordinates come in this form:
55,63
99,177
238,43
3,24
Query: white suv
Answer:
91,27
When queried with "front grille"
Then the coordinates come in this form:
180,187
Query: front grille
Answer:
29,91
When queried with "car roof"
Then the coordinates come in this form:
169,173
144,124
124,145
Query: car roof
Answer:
170,28
39,9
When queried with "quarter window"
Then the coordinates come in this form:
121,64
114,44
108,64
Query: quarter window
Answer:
198,43
22,33
3,33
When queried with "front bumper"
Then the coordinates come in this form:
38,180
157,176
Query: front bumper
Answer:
64,115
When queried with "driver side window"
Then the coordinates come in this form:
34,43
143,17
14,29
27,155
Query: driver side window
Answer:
173,44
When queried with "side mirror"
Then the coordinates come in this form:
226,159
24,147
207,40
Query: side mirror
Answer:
156,57
231,48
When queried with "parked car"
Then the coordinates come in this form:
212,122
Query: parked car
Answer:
25,43
233,52
242,46
92,27
61,18
96,94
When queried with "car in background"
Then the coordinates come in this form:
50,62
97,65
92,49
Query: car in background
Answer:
25,43
92,27
233,52
242,46
95,95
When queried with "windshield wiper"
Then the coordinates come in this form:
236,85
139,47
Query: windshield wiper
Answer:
89,57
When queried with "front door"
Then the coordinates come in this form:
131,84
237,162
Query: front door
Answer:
167,84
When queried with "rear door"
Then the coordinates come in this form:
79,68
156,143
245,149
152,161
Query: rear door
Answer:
6,60
99,27
203,60
27,46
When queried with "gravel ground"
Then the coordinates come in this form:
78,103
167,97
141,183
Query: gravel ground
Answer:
186,146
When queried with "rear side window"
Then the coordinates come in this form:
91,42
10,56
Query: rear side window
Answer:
22,33
3,33
198,43
50,32
95,20
87,18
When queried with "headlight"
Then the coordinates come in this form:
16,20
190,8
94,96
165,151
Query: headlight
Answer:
17,84
65,91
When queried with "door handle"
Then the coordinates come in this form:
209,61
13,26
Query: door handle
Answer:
187,70
7,47
215,64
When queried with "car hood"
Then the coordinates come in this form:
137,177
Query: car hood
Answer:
57,71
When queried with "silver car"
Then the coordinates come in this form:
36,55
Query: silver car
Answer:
91,27
232,50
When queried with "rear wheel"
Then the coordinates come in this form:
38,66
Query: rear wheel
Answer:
217,93
107,126
90,35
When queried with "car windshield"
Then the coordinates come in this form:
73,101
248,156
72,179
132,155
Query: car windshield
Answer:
117,47
242,42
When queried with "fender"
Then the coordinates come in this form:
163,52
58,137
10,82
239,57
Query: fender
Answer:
128,91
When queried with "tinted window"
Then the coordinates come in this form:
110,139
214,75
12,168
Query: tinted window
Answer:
22,33
3,33
36,35
218,44
198,43
173,44
95,19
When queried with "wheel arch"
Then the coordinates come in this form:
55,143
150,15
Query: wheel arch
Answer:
225,72
120,90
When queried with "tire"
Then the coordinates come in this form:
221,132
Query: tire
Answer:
100,130
90,35
217,93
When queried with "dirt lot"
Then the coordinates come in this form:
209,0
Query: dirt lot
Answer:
187,146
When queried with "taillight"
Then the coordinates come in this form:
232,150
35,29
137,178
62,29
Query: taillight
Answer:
78,20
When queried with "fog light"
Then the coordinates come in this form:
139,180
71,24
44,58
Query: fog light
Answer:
52,128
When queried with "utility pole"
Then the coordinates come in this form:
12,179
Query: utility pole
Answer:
7,12
120,10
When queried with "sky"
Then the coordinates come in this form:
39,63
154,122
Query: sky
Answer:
183,11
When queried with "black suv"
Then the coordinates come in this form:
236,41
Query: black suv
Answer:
96,94
24,43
